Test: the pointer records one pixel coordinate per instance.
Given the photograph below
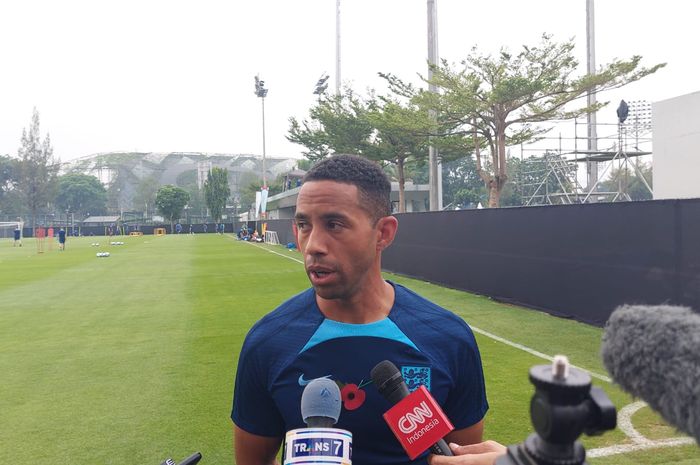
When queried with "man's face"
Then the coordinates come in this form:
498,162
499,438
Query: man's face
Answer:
337,238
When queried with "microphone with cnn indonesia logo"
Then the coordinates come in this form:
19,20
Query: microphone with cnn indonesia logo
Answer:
416,419
319,443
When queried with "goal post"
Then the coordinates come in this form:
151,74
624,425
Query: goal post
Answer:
271,238
7,229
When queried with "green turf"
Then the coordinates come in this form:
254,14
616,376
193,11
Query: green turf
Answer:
130,359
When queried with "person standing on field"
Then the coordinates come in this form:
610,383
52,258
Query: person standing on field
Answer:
348,321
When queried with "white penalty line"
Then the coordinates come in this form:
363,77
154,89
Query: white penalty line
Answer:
535,352
639,442
276,253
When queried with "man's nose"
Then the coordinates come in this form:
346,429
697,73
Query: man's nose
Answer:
316,242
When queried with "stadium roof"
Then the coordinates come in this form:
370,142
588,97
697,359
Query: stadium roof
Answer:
101,219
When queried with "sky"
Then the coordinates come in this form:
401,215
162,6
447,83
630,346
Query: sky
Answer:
170,75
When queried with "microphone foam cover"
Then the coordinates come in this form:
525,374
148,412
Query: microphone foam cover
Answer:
321,398
653,352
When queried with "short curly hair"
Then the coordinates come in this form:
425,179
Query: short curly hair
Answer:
372,183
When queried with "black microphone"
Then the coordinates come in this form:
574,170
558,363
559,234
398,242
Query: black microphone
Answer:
653,352
191,460
393,388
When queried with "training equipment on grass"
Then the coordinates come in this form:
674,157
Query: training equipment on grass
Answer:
95,244
653,352
116,243
102,254
271,238
159,231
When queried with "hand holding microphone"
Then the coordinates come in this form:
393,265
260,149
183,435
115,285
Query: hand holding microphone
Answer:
483,453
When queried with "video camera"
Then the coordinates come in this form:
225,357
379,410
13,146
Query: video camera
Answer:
564,406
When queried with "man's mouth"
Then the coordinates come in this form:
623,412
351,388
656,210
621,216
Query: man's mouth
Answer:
318,274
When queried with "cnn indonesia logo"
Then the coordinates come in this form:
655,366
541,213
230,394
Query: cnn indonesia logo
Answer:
418,422
410,422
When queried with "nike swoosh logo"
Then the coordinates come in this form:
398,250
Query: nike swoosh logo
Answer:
304,382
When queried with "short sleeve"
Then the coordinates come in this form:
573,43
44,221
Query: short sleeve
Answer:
466,404
253,408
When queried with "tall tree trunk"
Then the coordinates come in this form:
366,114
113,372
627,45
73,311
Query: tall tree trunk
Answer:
402,183
494,193
500,174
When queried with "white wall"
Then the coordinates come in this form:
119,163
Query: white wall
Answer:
676,169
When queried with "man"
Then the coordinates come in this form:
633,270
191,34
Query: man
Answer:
349,321
18,237
62,239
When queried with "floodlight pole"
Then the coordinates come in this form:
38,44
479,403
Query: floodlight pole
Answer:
264,175
337,47
592,166
261,92
434,167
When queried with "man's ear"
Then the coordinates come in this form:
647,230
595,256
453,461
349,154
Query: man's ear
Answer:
386,227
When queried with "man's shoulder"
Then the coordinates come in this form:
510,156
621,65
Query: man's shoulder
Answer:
421,307
426,322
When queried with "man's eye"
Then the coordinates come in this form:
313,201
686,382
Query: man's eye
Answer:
300,225
334,225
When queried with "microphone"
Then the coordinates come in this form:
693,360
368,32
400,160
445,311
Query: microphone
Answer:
653,352
416,419
191,460
319,443
320,403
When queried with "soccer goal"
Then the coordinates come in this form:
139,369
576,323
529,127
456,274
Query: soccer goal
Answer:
7,229
271,238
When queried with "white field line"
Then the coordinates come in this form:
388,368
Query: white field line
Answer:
534,352
624,418
639,442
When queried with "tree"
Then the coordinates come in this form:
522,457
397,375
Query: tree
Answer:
400,133
9,180
498,100
81,193
338,125
461,184
38,169
216,191
170,200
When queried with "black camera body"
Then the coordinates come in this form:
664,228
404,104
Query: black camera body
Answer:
564,406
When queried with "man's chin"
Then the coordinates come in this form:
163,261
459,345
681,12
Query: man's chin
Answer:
328,292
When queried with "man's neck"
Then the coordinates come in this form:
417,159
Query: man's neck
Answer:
372,304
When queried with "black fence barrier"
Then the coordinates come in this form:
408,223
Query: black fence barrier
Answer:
576,261
283,228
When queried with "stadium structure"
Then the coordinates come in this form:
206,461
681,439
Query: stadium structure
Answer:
127,170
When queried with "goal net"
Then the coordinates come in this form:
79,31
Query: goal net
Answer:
7,229
271,238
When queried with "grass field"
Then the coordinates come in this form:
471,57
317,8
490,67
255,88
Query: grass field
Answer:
131,359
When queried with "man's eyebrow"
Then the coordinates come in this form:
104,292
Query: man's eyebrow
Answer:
324,217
